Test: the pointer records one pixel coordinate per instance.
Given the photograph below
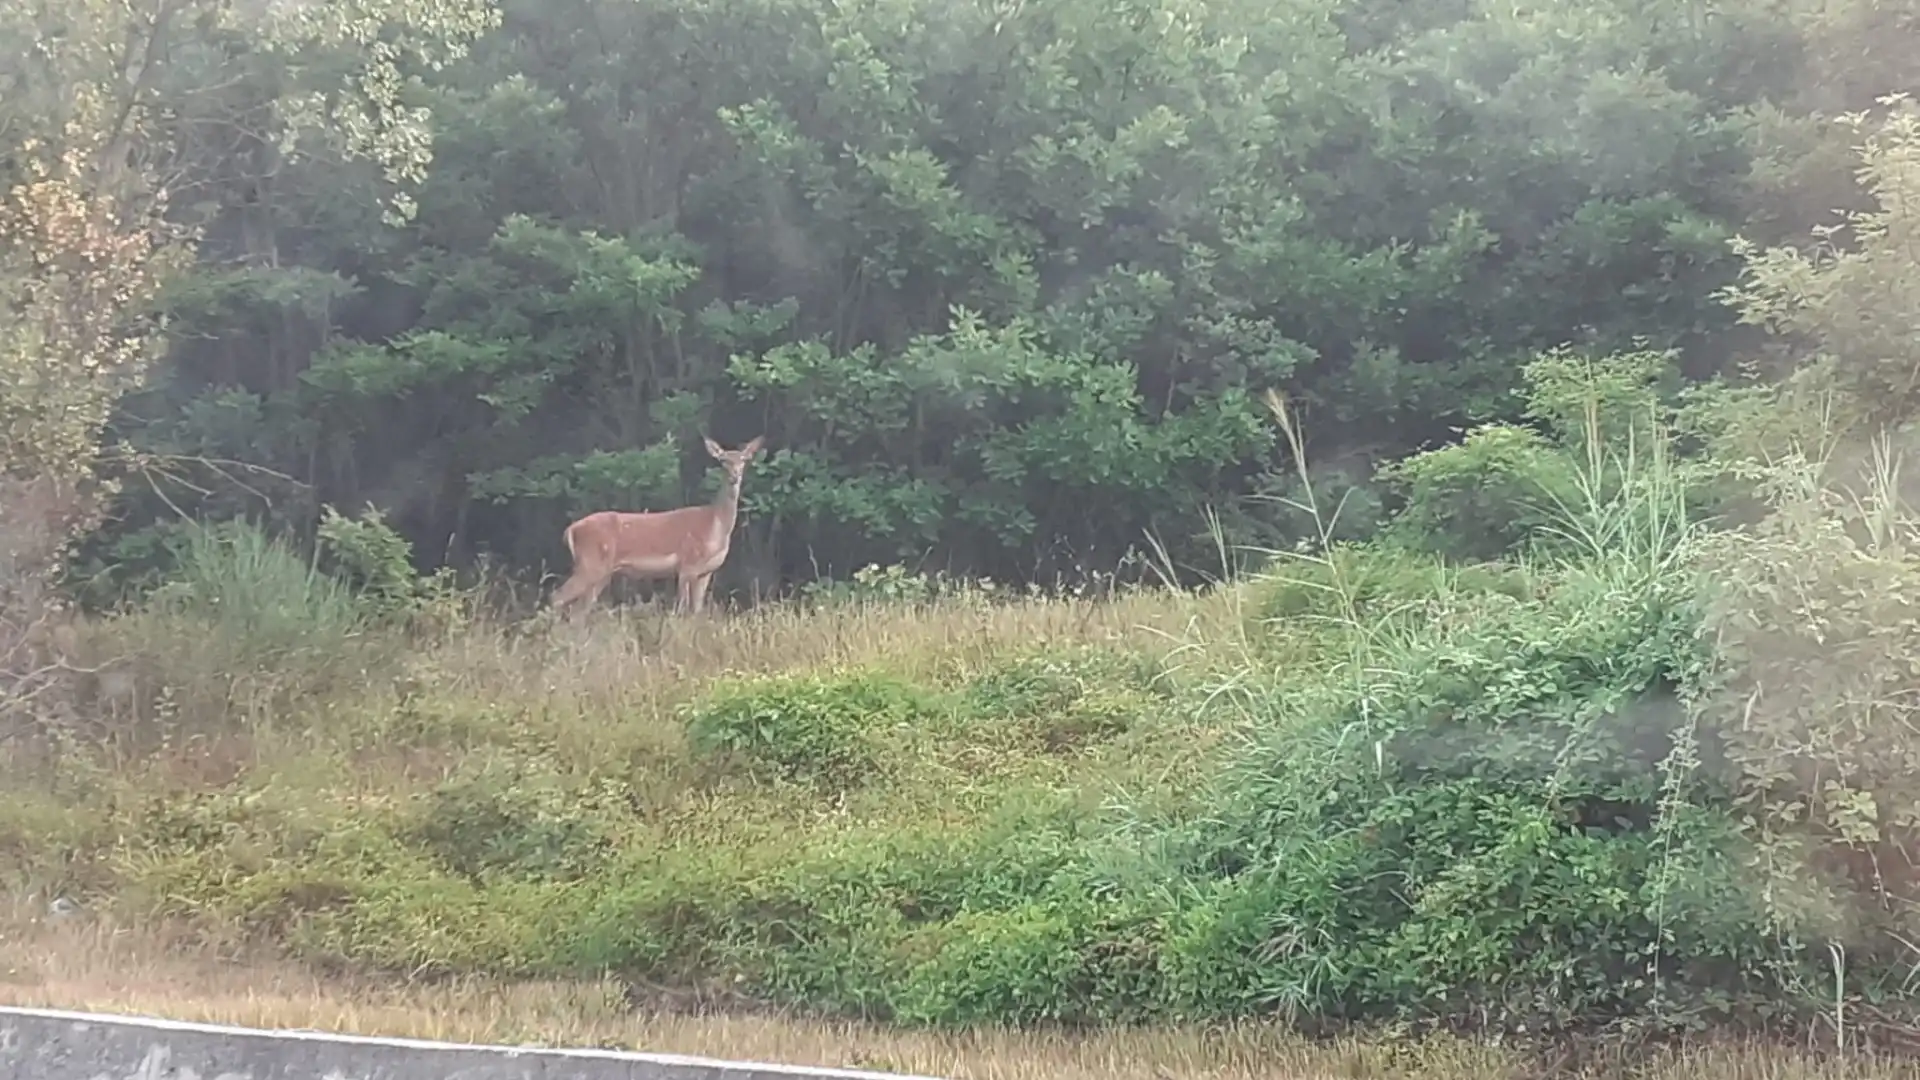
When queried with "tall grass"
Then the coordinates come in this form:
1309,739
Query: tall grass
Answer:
236,583
1364,783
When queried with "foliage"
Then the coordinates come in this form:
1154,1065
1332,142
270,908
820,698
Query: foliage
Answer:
1379,583
243,586
1482,497
377,563
98,146
1003,287
504,822
1009,290
1852,303
1486,801
1811,608
1813,622
114,119
1505,487
809,727
75,268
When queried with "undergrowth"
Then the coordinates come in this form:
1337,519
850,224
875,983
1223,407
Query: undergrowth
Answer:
1565,784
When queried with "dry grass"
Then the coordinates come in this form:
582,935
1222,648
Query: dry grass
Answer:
634,660
616,655
179,712
322,743
94,966
326,739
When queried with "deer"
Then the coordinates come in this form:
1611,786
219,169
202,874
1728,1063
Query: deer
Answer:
688,543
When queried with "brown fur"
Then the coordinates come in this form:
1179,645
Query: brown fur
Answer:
689,543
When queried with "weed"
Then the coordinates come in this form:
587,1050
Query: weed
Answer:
804,727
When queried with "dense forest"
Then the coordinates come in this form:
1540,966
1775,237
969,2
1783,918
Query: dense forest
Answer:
1002,283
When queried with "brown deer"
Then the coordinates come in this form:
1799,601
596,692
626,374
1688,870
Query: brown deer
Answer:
689,543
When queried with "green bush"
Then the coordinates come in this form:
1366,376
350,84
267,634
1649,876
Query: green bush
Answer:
1477,828
376,562
506,822
1065,700
1377,582
816,727
243,632
424,925
1597,469
257,856
1019,965
1481,498
836,922
255,593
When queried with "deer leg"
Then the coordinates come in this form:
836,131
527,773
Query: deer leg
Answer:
700,586
593,594
683,602
577,587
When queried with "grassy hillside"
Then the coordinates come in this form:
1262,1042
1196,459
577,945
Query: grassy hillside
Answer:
1368,786
1625,774
686,802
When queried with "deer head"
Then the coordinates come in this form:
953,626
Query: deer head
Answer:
735,461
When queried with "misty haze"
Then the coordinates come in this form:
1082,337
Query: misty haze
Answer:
1007,538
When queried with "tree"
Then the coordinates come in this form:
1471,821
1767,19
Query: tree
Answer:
104,128
999,283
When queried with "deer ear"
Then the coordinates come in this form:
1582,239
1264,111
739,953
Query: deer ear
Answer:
713,447
753,445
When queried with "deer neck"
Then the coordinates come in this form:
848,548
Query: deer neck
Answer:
726,505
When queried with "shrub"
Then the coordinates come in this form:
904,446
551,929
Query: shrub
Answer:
1019,965
1598,466
1813,683
256,593
1474,828
376,562
1064,700
1481,498
419,924
256,856
813,727
1378,582
508,822
242,635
